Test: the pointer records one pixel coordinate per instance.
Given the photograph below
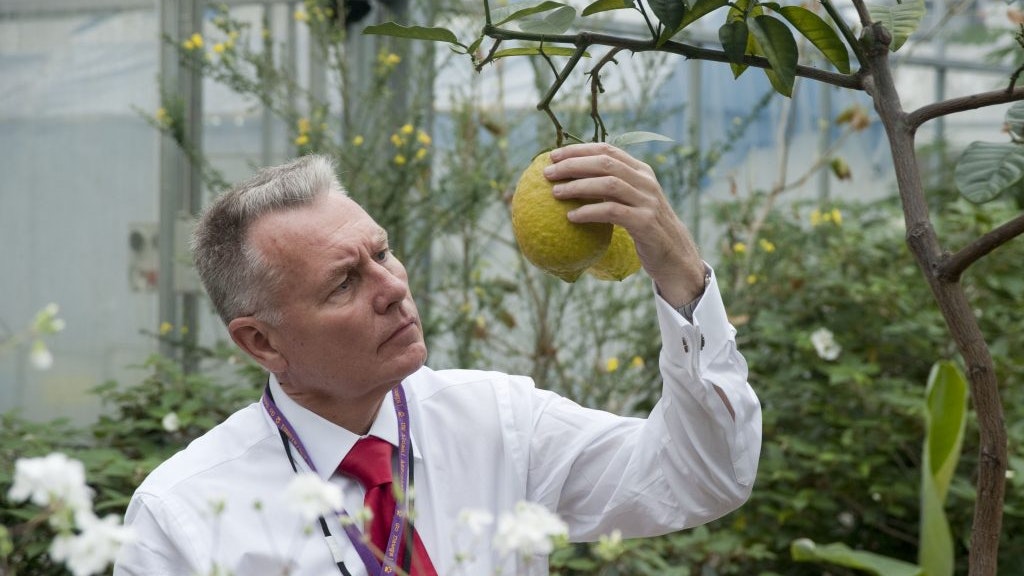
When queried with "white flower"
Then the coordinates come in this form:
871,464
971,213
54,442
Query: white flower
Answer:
825,344
311,497
94,547
170,422
475,520
529,529
40,356
53,480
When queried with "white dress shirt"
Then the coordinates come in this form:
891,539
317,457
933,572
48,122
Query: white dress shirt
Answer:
481,440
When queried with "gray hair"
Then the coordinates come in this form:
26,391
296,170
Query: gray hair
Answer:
237,277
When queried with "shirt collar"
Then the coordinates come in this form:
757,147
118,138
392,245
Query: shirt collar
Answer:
327,443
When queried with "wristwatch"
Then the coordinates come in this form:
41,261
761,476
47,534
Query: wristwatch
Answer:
686,310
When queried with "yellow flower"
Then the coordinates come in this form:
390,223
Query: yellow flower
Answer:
301,16
183,330
816,217
837,216
397,140
739,248
637,362
219,47
303,125
399,159
423,138
161,115
421,153
766,245
165,328
302,140
392,59
357,141
612,364
197,40
188,45
407,129
752,279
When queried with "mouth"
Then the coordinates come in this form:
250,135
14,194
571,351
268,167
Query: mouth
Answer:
402,330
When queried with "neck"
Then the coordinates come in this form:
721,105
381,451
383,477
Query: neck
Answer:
355,414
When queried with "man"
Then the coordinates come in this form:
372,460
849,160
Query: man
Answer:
307,286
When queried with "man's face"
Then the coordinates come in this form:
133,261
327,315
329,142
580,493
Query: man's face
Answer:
350,329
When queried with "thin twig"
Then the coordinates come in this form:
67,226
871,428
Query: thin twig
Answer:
952,267
845,30
596,88
931,111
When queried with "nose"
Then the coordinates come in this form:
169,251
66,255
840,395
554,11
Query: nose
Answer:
391,286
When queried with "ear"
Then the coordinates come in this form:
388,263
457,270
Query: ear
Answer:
253,336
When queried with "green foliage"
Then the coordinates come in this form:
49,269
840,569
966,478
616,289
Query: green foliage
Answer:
987,170
900,19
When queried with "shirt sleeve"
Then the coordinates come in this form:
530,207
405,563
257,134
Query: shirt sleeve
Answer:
687,463
155,550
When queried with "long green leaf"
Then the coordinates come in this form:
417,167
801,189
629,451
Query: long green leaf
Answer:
699,9
775,40
436,34
733,36
557,22
506,14
945,419
804,550
987,169
535,51
823,36
606,5
901,20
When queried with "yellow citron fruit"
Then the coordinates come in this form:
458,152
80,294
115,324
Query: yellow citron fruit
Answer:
619,260
543,231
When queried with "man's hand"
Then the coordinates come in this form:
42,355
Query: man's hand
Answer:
629,195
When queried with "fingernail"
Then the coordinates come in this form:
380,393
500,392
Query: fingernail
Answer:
557,190
555,154
549,170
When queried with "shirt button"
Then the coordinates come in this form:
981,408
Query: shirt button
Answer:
701,341
686,345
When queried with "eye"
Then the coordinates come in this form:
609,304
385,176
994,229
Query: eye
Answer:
382,255
344,285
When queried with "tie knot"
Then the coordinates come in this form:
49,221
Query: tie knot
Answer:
369,462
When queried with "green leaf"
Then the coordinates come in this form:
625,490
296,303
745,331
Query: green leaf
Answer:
699,9
606,5
945,419
1015,121
669,13
901,20
775,40
537,50
733,36
986,169
805,550
435,34
628,138
823,36
557,22
517,11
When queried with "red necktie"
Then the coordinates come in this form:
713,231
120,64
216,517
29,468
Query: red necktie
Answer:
369,462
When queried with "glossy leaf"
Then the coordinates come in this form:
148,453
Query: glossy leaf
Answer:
537,50
606,5
556,22
628,138
733,36
901,20
819,33
945,419
775,40
435,34
519,10
739,11
805,550
987,169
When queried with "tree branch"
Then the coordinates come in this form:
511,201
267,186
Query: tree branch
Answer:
954,105
852,81
952,267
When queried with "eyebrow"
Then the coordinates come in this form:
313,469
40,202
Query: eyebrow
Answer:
380,238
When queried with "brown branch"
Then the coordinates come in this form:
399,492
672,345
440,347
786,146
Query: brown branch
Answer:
596,88
952,267
954,105
862,13
852,81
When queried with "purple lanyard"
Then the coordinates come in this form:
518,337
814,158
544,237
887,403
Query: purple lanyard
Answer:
373,567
